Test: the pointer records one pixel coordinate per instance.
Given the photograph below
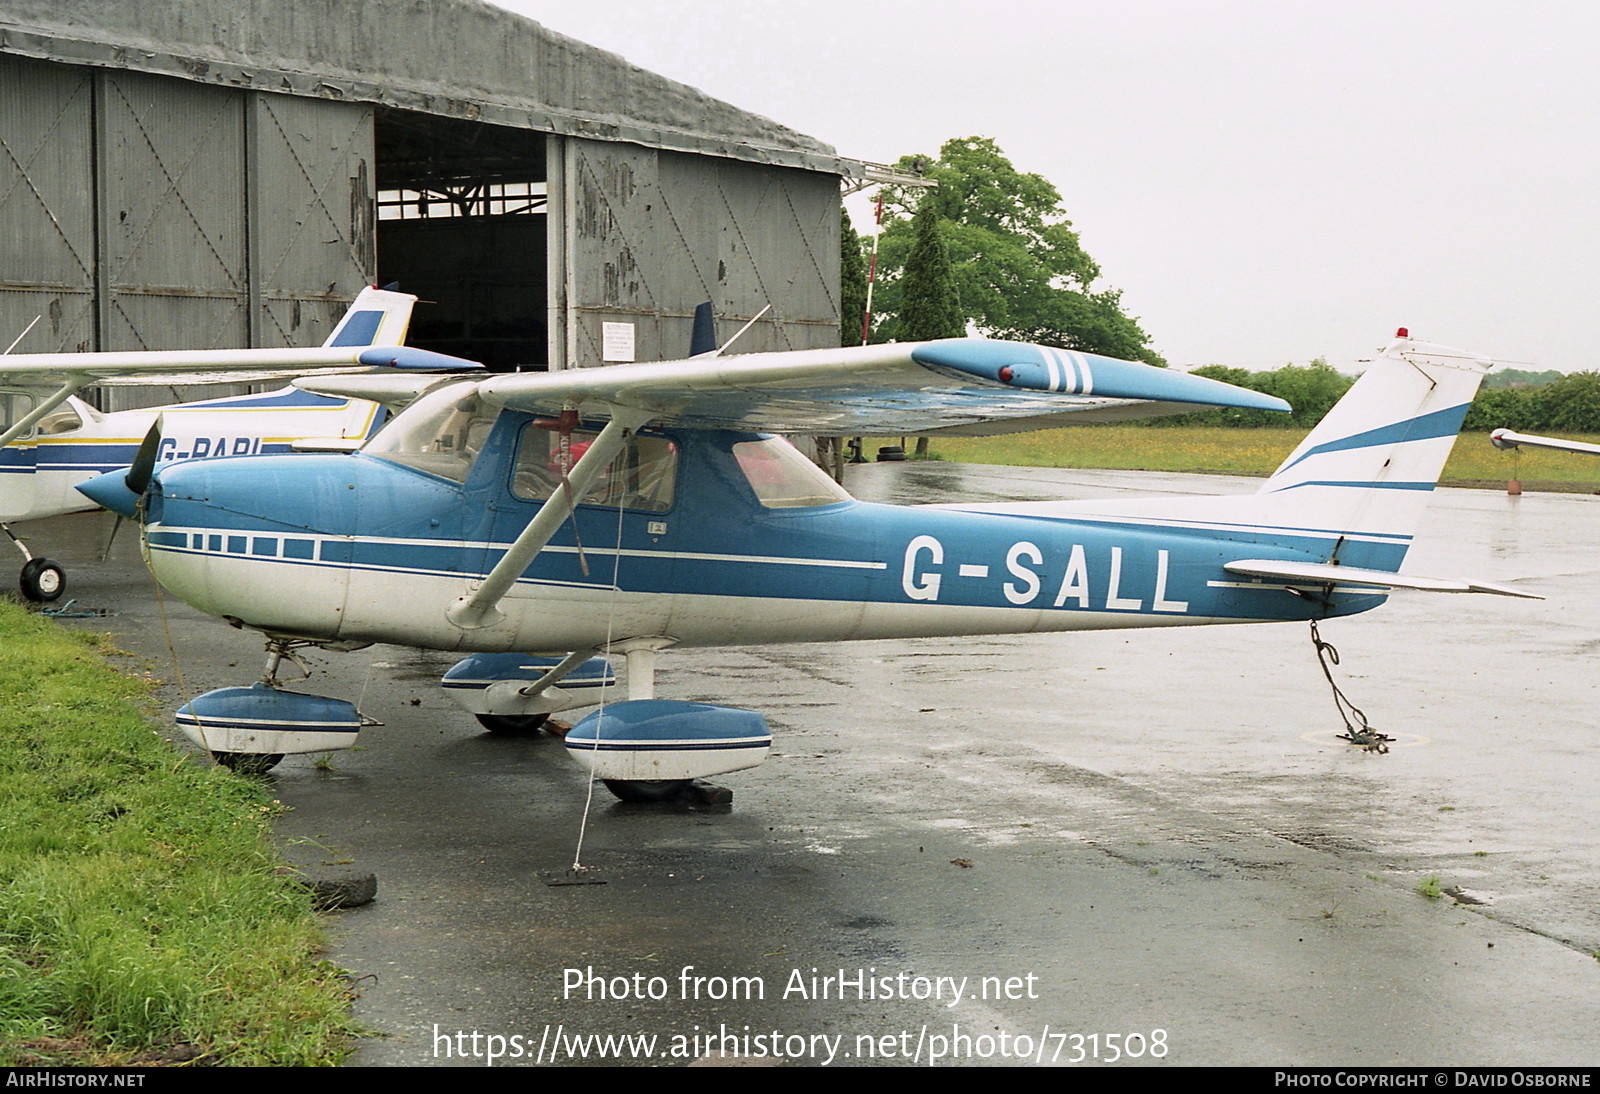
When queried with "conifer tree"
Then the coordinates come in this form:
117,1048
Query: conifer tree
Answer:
929,307
852,282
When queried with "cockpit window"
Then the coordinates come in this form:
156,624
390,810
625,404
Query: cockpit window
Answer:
642,477
440,433
782,478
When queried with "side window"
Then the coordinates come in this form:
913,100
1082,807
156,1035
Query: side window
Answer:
14,406
782,478
642,477
63,419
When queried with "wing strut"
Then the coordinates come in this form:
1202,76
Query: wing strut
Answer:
557,674
477,609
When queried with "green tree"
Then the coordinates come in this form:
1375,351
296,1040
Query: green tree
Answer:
1571,404
1504,408
928,305
852,282
1310,390
1018,267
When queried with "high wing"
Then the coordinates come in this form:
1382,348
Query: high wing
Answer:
376,313
968,384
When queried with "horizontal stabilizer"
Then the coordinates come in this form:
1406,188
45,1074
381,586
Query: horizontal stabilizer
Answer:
1505,438
1319,573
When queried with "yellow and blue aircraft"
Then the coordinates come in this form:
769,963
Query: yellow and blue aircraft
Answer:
50,440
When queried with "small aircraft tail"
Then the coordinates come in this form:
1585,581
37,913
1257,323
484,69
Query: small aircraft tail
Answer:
1347,502
1368,467
377,317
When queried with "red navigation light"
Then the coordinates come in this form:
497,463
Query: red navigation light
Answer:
1402,333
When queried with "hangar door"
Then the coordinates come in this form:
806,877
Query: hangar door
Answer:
648,234
146,212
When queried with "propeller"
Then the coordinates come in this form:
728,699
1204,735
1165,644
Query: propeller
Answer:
122,491
144,460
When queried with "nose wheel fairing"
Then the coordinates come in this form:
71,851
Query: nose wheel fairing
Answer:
265,721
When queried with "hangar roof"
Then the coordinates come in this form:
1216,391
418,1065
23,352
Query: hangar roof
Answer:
457,58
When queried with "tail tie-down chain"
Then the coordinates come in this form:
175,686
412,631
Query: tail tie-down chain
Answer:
1357,730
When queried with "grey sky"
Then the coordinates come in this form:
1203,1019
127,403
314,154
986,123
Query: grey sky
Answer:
1265,181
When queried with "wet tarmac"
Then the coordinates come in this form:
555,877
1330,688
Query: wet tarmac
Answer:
1043,849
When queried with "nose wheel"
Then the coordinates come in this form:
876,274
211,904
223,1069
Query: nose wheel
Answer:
41,580
248,763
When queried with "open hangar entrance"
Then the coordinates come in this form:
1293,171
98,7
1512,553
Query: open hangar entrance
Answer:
540,250
462,222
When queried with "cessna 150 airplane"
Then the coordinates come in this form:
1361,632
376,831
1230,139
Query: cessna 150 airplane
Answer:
50,441
466,525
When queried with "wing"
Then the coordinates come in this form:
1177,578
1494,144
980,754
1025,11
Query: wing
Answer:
41,370
907,387
974,385
375,314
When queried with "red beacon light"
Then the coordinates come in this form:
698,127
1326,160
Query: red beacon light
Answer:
1402,333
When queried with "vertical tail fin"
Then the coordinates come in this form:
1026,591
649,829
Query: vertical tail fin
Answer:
1368,467
703,338
377,317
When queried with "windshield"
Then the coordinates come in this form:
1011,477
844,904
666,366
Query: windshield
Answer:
440,433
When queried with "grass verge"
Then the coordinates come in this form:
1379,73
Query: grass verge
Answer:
145,917
1223,451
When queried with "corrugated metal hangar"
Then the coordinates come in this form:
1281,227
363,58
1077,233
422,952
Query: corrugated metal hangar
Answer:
217,173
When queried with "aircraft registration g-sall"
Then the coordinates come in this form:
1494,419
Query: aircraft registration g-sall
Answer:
536,521
50,440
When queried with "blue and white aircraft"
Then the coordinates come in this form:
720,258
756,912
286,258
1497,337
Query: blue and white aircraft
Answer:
539,521
50,440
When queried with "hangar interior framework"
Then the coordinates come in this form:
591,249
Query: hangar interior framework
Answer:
167,181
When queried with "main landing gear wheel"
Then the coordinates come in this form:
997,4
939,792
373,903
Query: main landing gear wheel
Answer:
248,763
43,580
512,725
647,790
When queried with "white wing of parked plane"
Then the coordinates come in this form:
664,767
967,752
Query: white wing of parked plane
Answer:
393,390
375,314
